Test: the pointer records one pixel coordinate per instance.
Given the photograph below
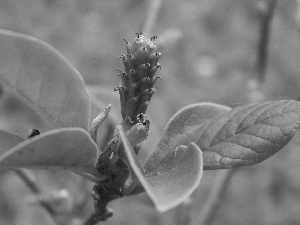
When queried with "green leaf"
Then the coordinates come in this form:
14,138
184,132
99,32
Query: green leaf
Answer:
8,140
65,149
130,158
42,78
174,180
181,129
248,135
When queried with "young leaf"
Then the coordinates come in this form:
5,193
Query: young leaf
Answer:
66,149
101,97
8,140
181,128
174,180
42,78
248,135
130,158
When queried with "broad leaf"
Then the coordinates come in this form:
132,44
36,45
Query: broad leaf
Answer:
66,149
8,140
248,135
181,128
42,78
174,180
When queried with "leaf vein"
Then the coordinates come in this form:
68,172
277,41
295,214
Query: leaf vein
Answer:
225,123
240,156
240,131
278,103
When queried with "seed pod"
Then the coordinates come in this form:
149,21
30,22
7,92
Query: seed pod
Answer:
131,106
154,57
141,64
141,55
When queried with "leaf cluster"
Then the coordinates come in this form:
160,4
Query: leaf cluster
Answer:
199,137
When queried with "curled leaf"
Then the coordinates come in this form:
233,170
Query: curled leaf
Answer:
248,135
174,180
183,128
42,78
100,98
130,158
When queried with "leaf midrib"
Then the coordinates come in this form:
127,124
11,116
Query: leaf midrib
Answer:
240,131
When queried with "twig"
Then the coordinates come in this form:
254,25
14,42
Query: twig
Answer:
102,212
152,16
29,181
266,10
217,195
95,218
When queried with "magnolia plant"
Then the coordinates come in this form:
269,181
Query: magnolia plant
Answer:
202,136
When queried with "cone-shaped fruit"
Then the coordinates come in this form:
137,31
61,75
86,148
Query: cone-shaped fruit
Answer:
141,64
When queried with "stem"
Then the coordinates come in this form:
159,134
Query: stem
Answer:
29,181
216,197
266,8
96,218
102,195
152,16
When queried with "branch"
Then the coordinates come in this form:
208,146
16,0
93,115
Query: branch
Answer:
29,181
266,10
102,212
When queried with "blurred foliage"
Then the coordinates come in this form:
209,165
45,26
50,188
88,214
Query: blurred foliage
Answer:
209,53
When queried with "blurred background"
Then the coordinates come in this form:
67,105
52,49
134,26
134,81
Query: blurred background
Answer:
212,51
